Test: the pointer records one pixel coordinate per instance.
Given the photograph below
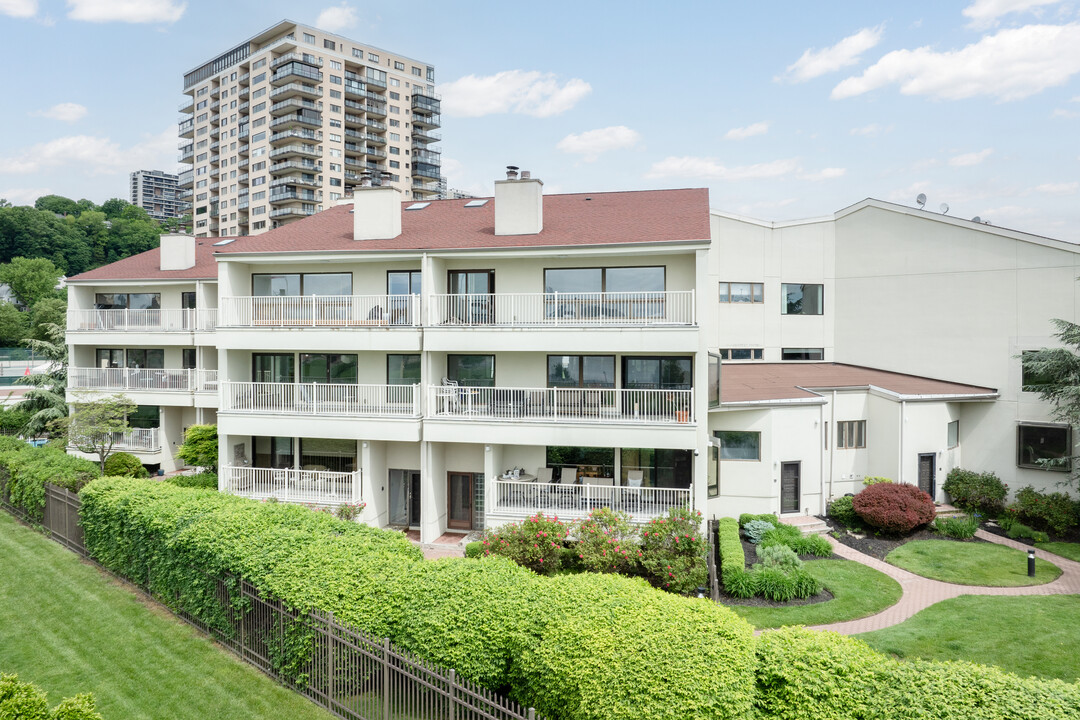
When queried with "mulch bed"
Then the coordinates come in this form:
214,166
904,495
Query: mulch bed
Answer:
994,529
878,546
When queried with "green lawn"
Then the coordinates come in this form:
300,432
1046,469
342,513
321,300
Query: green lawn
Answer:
971,563
67,628
1064,549
1032,635
859,591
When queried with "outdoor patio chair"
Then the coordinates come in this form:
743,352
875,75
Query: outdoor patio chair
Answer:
632,492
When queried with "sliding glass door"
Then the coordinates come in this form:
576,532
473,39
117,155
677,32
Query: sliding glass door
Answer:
476,304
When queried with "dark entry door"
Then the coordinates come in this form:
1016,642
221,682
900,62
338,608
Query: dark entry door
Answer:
789,487
927,462
460,501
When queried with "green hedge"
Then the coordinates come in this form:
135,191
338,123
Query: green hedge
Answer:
806,675
24,701
24,470
203,480
577,646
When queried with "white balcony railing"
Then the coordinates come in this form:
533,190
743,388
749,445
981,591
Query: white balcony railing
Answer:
152,379
138,439
321,399
524,499
321,311
322,487
566,309
561,404
170,320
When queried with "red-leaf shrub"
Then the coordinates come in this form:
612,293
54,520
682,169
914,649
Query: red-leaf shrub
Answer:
894,507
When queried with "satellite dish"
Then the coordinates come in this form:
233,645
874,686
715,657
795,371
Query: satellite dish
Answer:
944,208
921,200
976,219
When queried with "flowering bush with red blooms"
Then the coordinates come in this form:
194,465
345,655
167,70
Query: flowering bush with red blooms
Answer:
607,542
894,507
535,543
674,550
1056,512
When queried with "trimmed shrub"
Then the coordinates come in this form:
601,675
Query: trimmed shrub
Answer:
804,674
733,574
792,537
673,551
841,511
28,469
756,528
1057,512
576,647
607,542
875,480
122,464
778,556
961,528
24,701
982,493
203,480
474,549
894,507
750,517
535,543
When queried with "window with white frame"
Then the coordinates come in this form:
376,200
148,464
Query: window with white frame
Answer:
739,444
742,292
850,434
741,353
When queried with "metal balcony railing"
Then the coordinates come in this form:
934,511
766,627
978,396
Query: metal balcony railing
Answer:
673,307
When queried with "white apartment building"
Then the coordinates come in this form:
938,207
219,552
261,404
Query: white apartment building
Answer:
287,122
157,193
643,351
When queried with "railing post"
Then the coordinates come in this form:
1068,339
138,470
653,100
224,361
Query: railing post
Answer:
357,478
555,311
452,694
314,399
386,679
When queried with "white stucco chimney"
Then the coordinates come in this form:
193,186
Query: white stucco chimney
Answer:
519,204
376,213
177,251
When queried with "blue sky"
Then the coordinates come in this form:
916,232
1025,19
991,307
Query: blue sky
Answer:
782,109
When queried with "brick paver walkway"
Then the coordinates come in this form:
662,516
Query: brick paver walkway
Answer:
920,592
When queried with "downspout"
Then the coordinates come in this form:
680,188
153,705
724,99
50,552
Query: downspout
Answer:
900,459
821,455
832,424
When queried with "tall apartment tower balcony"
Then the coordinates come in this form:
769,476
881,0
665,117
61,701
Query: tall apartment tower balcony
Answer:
297,102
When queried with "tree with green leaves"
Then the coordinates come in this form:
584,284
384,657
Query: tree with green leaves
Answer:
48,311
30,279
96,425
1054,373
200,447
45,400
13,325
113,207
57,204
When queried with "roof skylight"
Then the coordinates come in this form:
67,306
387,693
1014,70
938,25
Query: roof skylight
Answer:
418,206
477,203
224,242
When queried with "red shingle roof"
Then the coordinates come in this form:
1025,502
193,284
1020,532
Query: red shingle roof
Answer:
147,266
761,382
574,219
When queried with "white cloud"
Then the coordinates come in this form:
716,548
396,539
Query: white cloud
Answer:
1065,114
741,133
984,13
971,158
1010,65
1066,188
64,112
871,130
338,17
710,169
512,91
23,196
825,174
130,11
93,155
18,8
815,63
591,143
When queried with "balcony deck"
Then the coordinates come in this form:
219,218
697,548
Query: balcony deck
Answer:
148,379
170,320
321,399
318,487
516,499
598,309
560,405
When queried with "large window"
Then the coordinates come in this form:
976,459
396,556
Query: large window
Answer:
648,373
659,467
850,434
1046,447
108,358
953,434
586,371
802,354
273,452
471,370
276,367
739,444
145,416
127,301
327,454
590,462
714,380
802,299
403,282
145,358
475,304
740,292
741,353
402,369
617,279
327,368
292,284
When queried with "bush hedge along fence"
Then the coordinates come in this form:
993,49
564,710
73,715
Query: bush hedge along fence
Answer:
576,647
24,470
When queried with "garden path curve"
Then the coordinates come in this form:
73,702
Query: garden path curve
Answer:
920,592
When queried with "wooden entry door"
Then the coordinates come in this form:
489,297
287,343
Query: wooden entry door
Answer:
459,501
789,487
927,472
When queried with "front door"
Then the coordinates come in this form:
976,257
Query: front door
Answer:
789,487
405,498
459,501
927,462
